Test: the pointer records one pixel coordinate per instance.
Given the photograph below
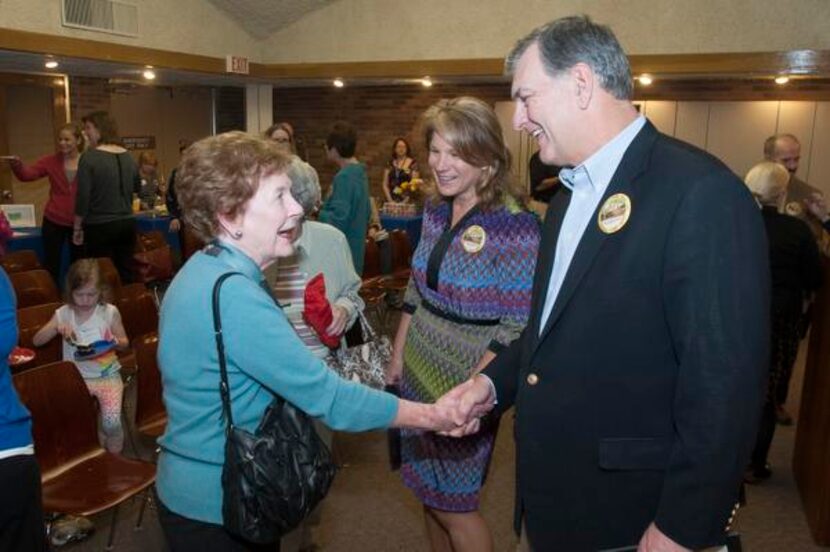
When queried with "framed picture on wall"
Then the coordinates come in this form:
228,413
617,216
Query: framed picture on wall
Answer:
20,216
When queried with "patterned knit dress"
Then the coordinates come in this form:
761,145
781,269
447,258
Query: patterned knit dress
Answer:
469,292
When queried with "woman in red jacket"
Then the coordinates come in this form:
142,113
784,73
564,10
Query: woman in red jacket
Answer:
61,169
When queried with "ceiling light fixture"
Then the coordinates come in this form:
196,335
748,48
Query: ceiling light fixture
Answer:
782,79
426,82
645,80
338,83
51,64
149,74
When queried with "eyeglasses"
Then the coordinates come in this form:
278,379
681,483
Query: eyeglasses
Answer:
281,140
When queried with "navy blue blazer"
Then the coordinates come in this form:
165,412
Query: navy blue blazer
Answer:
639,402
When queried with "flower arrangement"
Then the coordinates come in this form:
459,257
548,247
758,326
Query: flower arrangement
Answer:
409,189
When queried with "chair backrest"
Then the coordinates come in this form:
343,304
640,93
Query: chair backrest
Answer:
64,420
149,404
109,273
371,260
20,261
147,241
29,321
190,243
401,250
34,287
138,309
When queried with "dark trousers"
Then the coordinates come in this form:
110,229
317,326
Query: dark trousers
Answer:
115,240
184,534
21,508
54,237
784,340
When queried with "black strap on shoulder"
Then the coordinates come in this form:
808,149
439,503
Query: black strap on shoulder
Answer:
224,389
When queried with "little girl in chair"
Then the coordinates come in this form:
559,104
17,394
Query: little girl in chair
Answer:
92,331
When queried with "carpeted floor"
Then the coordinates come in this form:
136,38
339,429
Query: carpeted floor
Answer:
369,510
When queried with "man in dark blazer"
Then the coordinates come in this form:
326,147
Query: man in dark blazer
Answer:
639,379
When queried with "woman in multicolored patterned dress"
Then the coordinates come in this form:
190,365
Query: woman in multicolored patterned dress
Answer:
469,296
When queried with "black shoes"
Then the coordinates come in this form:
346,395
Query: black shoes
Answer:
755,475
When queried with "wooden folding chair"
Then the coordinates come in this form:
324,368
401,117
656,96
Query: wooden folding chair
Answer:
34,287
20,261
29,321
138,309
109,273
150,414
78,476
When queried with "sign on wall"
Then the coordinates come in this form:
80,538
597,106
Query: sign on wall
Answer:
138,142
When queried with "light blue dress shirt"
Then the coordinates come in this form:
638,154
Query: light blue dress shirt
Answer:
587,182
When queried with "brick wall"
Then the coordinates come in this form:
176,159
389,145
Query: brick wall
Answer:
380,114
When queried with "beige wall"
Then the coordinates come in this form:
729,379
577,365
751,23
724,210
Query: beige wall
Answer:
29,113
372,30
734,132
169,114
191,26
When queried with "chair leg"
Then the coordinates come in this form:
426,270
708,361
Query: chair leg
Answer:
148,497
113,525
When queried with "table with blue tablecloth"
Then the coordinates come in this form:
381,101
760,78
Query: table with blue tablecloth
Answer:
147,222
30,237
411,224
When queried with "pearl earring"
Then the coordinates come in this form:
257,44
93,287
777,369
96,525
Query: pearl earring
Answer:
237,234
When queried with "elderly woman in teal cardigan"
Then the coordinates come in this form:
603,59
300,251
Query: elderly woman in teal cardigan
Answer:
234,190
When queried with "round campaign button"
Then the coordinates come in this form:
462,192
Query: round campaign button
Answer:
473,239
614,213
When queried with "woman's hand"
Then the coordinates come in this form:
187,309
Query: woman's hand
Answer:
339,317
78,236
394,370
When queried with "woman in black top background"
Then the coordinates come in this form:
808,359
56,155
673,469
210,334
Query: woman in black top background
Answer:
107,178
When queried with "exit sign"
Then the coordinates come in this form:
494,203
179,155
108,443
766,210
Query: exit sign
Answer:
236,64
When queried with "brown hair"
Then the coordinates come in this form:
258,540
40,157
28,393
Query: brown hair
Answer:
106,126
220,174
343,138
147,157
77,132
471,127
83,272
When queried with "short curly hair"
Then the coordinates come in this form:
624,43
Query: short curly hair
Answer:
220,174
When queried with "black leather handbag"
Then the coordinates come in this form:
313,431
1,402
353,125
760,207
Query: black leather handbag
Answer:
273,478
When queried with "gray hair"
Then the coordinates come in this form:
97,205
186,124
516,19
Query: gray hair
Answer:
305,185
570,40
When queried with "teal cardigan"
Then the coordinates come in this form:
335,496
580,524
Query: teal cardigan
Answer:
263,354
348,209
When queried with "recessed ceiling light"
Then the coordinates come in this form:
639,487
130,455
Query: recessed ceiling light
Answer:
783,79
149,74
338,83
645,80
51,64
426,82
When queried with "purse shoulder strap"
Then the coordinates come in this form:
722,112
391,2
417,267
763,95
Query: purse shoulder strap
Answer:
224,389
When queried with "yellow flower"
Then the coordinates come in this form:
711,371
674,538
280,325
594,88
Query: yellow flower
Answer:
397,190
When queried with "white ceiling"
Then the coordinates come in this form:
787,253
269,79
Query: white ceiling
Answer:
261,18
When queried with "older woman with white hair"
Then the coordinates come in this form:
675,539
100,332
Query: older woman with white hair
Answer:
796,271
319,249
